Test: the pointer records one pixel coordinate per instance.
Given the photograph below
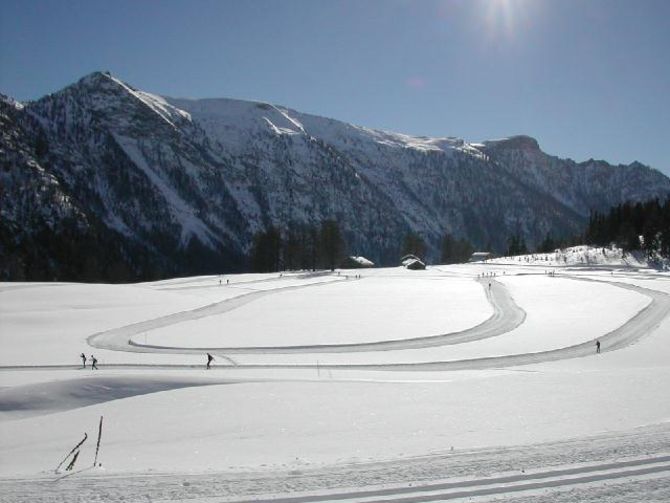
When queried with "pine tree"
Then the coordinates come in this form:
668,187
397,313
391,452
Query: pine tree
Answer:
413,245
331,244
266,251
516,245
454,251
548,245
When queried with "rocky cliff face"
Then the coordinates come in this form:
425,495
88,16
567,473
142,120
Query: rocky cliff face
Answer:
581,186
149,186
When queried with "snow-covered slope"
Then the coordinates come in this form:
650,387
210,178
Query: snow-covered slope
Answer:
586,256
526,412
181,186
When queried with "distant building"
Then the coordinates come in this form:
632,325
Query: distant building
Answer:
415,265
408,257
356,263
480,256
412,262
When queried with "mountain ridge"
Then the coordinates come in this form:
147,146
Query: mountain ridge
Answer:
186,184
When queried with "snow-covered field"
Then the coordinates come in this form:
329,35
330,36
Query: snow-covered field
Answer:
474,382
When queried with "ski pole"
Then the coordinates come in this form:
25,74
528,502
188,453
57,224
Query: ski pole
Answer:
73,449
74,460
97,447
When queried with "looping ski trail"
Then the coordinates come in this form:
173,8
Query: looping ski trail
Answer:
630,332
118,339
507,316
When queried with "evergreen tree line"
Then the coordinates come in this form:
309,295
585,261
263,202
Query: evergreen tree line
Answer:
305,246
633,226
452,250
322,246
455,251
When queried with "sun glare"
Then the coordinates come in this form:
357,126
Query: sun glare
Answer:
506,18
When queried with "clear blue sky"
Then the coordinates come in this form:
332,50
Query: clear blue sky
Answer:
587,78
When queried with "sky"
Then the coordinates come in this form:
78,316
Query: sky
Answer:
587,78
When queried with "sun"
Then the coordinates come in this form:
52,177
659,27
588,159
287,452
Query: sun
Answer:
506,18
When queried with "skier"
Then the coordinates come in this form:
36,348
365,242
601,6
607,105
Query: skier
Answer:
209,360
94,362
83,360
597,346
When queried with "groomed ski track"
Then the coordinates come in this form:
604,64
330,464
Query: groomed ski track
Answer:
616,467
507,316
630,332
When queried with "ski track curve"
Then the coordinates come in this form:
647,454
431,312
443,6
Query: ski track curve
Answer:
507,315
118,339
636,463
630,332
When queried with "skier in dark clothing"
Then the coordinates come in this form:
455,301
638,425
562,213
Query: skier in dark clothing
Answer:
209,360
83,360
94,362
597,346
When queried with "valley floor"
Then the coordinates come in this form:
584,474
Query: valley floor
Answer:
473,382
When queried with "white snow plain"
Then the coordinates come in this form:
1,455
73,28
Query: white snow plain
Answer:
281,423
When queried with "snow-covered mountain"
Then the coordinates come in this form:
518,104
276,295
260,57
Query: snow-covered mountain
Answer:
138,185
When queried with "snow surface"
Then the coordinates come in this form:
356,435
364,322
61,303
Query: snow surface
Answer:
157,103
578,256
364,311
587,428
545,328
226,120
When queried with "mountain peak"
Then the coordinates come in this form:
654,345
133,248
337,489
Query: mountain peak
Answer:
96,77
95,82
11,102
518,142
106,93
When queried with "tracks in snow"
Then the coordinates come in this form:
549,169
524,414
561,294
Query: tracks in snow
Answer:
506,316
118,339
493,486
630,332
635,463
